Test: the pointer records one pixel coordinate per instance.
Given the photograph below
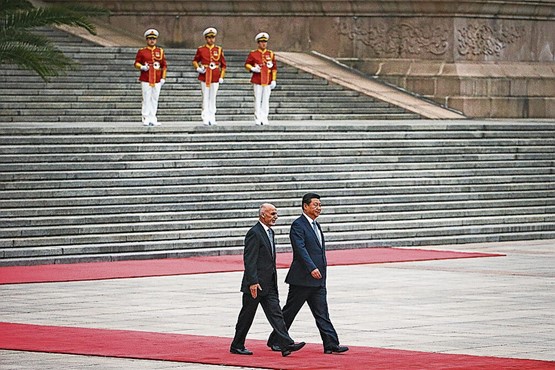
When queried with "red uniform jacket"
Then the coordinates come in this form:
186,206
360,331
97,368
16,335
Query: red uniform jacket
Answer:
156,59
213,59
267,62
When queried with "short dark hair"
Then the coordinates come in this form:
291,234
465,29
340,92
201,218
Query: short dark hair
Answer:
307,198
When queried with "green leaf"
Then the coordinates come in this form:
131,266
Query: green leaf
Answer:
20,45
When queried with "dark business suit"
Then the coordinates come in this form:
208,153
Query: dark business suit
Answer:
260,267
308,254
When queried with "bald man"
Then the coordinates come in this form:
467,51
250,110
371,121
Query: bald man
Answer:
259,285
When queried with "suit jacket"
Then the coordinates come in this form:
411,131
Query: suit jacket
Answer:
308,254
260,265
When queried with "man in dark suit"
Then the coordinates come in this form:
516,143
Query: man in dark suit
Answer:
259,285
307,276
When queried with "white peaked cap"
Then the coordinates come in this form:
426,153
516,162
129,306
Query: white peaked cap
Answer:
151,32
262,36
210,31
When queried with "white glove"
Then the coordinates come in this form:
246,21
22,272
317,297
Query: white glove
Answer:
255,69
273,85
163,81
221,80
201,70
145,67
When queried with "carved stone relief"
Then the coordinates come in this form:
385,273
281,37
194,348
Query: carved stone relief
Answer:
486,40
402,39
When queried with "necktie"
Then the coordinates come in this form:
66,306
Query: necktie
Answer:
317,231
271,237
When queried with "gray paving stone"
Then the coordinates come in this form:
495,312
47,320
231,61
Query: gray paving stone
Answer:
496,306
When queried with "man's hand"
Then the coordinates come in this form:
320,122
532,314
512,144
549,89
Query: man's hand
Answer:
201,70
254,290
255,69
145,67
221,80
273,84
162,82
316,274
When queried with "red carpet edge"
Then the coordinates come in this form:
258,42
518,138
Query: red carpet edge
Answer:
209,264
215,350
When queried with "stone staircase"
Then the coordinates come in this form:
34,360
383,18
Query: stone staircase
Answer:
98,192
104,88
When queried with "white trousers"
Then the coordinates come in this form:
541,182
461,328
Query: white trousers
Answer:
209,102
261,104
150,102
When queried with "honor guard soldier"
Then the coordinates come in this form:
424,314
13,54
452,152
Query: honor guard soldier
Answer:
151,61
262,63
210,64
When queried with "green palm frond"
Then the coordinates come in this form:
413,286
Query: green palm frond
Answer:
46,16
26,38
20,46
45,61
9,6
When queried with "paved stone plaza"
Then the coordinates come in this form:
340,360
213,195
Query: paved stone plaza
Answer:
494,306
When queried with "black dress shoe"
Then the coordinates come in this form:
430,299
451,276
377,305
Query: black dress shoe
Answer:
336,349
292,348
240,351
275,348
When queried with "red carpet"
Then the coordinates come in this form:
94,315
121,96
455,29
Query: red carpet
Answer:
200,265
215,350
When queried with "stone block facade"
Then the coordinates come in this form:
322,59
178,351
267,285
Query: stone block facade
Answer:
484,58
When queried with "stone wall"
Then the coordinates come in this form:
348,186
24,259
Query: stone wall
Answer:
481,67
483,58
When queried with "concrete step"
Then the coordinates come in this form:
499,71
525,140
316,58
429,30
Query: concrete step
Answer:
47,190
181,253
109,199
60,234
173,106
112,161
285,173
231,98
233,209
177,90
125,243
370,213
254,142
234,183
